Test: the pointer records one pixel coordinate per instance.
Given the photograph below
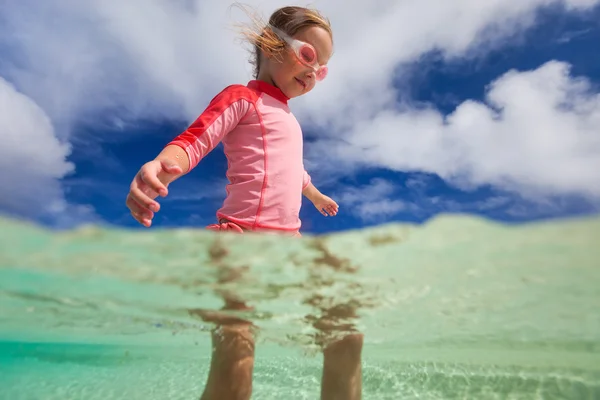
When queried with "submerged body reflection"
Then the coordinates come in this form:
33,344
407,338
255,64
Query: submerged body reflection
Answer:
233,337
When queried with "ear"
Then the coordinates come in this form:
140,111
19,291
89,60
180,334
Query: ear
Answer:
265,50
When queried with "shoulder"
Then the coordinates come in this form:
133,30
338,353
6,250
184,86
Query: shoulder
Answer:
235,93
234,99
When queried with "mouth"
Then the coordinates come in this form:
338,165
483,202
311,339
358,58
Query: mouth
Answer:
301,83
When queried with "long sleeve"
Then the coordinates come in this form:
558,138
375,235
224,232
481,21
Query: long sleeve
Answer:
220,117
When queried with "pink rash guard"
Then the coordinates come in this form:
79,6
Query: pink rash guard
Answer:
263,143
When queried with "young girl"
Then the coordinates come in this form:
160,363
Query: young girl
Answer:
263,144
262,139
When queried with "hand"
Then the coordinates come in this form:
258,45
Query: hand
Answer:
149,182
326,205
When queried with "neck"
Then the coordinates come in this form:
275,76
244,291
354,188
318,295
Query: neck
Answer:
266,77
269,88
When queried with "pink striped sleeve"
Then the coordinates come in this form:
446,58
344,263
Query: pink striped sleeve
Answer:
221,116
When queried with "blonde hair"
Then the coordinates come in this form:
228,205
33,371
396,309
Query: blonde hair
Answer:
290,19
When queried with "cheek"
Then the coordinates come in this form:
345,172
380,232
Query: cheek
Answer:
283,68
290,66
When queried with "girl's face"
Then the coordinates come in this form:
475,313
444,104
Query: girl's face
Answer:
293,77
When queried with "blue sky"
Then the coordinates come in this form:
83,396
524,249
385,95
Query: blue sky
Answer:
493,113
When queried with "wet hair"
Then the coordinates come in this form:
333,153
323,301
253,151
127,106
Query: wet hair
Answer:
290,19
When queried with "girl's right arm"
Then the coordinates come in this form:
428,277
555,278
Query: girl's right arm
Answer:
176,156
184,152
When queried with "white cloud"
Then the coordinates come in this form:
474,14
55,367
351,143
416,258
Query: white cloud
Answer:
538,135
158,58
31,157
392,33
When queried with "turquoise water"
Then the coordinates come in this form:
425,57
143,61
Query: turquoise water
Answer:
459,308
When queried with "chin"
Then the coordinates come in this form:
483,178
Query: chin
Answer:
297,92
291,88
292,92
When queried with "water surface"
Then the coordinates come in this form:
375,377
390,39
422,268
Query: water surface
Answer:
457,308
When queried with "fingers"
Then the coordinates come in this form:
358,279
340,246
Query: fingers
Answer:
145,187
333,208
147,222
140,200
142,197
150,178
329,209
171,168
141,215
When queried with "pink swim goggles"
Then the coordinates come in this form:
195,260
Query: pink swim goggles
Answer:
305,53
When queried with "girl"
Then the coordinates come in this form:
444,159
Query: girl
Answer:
263,144
261,138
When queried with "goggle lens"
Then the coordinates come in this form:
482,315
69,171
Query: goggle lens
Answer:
308,54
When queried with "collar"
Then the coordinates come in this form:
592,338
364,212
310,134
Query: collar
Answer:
269,89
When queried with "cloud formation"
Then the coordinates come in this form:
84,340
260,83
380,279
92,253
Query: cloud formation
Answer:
537,134
31,157
148,59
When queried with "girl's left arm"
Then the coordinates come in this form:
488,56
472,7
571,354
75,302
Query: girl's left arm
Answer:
325,204
311,192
